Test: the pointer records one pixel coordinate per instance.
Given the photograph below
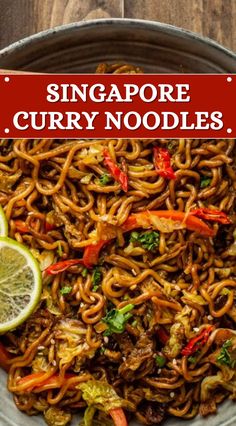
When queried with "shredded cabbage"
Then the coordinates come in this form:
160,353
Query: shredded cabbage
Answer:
194,298
56,417
102,396
73,345
174,345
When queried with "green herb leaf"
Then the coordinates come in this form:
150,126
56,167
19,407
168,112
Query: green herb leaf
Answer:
96,278
102,350
224,356
84,272
192,359
104,179
148,240
65,290
117,319
160,360
205,181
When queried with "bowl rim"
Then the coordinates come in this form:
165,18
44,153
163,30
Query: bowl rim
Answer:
139,23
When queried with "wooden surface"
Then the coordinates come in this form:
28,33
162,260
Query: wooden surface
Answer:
213,18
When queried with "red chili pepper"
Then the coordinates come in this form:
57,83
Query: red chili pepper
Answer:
4,358
118,174
21,227
162,163
58,267
210,214
91,253
196,342
163,335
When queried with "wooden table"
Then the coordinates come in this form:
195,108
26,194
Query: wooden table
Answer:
212,18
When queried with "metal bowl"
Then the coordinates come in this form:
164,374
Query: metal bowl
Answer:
79,47
156,47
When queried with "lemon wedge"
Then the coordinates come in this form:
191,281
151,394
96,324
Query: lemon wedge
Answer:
20,284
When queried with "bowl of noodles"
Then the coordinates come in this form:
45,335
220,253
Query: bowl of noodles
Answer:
136,243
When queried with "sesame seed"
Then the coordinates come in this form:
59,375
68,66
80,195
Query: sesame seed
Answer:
54,363
123,357
106,340
40,348
196,329
172,394
134,272
159,371
177,287
210,318
174,361
52,342
92,299
81,304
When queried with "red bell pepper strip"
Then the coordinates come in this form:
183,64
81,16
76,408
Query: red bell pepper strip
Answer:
118,417
143,219
48,226
62,266
21,227
52,382
91,253
213,215
162,163
163,335
4,358
90,258
196,342
118,174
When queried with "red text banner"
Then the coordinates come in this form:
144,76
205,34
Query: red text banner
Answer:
117,106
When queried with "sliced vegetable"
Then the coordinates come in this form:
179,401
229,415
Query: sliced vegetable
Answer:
117,319
148,240
84,272
66,290
48,226
205,181
160,360
162,162
96,278
104,179
101,395
118,174
21,227
37,380
192,359
178,220
91,253
4,358
224,357
213,215
62,266
118,417
197,342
